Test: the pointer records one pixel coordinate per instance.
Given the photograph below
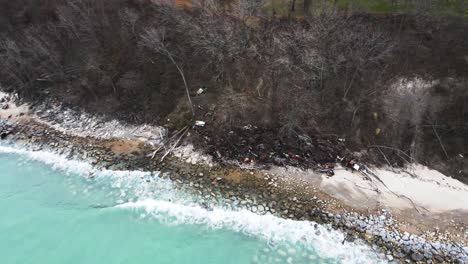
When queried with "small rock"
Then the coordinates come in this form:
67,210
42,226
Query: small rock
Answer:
417,256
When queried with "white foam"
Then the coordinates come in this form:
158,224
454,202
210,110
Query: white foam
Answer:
120,179
161,201
51,159
327,243
131,185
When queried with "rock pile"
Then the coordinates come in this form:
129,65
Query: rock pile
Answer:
5,129
82,124
259,195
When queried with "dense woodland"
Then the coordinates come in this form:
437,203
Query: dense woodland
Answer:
392,84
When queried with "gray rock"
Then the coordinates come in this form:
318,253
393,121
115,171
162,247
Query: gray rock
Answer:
406,249
397,254
417,256
261,209
416,247
463,257
405,237
428,254
439,258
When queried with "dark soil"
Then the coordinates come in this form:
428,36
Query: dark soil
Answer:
266,146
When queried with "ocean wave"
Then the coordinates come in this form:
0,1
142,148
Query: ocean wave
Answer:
327,242
54,160
131,184
62,163
161,201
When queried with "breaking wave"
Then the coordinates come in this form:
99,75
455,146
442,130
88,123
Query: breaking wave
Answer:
160,200
325,241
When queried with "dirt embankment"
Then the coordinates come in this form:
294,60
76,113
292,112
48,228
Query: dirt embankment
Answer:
328,77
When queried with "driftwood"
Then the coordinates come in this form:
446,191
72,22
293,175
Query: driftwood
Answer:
185,130
157,150
385,157
363,187
440,141
369,172
397,150
168,141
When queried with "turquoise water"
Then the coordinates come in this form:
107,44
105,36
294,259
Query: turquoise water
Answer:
54,212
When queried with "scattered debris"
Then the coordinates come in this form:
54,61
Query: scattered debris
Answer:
247,127
353,165
328,169
266,146
200,123
202,90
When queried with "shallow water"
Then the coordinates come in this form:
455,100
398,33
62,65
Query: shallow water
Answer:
53,212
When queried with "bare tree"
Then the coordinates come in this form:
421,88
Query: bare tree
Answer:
29,59
293,6
130,17
307,7
154,39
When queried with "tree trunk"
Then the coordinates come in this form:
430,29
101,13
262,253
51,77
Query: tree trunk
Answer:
293,6
181,72
307,7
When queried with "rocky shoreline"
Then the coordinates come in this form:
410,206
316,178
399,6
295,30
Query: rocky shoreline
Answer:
254,190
